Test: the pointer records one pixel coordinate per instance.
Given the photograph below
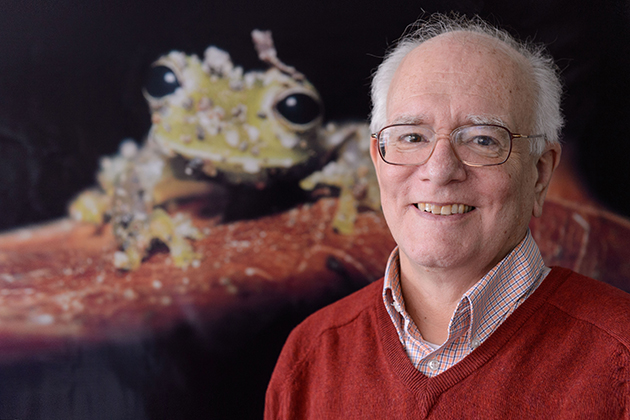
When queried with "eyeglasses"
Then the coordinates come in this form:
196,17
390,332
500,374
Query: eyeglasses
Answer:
474,145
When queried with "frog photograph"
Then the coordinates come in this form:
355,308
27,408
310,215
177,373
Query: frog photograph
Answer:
215,125
182,184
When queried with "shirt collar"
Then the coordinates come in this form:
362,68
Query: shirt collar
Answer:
488,302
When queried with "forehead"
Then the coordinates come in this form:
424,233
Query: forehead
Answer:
463,74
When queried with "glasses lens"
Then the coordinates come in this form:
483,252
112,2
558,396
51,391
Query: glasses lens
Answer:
406,144
482,144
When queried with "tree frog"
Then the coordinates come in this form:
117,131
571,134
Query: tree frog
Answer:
213,123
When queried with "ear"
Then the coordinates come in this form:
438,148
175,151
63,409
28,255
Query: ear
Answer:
545,166
374,150
376,158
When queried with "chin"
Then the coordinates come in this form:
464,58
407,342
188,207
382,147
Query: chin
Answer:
438,255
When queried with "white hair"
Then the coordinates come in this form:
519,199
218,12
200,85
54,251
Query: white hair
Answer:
548,119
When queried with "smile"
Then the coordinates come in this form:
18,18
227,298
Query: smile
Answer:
447,210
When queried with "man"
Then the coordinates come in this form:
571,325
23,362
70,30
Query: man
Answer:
467,322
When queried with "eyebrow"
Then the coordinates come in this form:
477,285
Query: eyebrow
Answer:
421,119
472,119
410,119
484,119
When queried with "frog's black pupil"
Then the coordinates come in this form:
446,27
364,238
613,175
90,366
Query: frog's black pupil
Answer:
161,81
299,108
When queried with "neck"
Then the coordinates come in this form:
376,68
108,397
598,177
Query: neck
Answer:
431,297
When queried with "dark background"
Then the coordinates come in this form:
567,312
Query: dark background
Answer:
71,74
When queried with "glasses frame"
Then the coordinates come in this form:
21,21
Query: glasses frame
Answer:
381,144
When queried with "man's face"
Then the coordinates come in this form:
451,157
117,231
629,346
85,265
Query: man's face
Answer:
450,81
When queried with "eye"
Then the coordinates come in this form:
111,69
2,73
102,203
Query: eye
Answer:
161,81
412,138
484,141
299,108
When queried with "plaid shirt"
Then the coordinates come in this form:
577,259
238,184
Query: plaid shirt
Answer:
479,313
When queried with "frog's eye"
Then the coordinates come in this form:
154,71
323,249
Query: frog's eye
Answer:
299,108
161,81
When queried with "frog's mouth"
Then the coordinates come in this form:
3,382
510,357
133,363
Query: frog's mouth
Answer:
238,169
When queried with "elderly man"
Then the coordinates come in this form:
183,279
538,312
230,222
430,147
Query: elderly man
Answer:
467,322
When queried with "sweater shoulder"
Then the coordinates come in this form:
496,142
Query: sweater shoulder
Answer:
591,301
307,340
343,311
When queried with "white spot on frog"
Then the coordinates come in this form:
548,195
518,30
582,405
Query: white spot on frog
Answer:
232,138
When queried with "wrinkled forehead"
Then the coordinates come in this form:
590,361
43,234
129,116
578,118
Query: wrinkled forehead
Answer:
465,63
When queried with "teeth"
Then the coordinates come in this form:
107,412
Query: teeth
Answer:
444,210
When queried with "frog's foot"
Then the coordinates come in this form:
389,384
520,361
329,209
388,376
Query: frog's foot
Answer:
175,232
357,189
347,209
352,172
138,236
129,259
346,214
90,206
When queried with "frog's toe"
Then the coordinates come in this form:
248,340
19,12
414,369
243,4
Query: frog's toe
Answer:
90,206
183,227
130,259
183,254
174,232
346,214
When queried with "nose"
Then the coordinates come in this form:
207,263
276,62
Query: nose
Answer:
443,165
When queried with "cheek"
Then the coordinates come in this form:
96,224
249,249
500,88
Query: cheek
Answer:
514,195
394,185
393,180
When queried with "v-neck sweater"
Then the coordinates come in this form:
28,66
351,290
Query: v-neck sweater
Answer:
563,353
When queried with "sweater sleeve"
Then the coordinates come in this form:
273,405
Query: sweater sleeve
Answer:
281,389
275,407
275,399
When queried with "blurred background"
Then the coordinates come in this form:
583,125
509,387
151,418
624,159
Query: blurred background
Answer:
71,74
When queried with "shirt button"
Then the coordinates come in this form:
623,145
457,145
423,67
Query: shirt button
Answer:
434,365
475,343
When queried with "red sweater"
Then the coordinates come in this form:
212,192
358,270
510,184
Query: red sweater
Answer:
563,354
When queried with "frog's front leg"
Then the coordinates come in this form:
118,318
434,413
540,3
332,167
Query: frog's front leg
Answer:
174,232
131,184
132,205
146,181
352,172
